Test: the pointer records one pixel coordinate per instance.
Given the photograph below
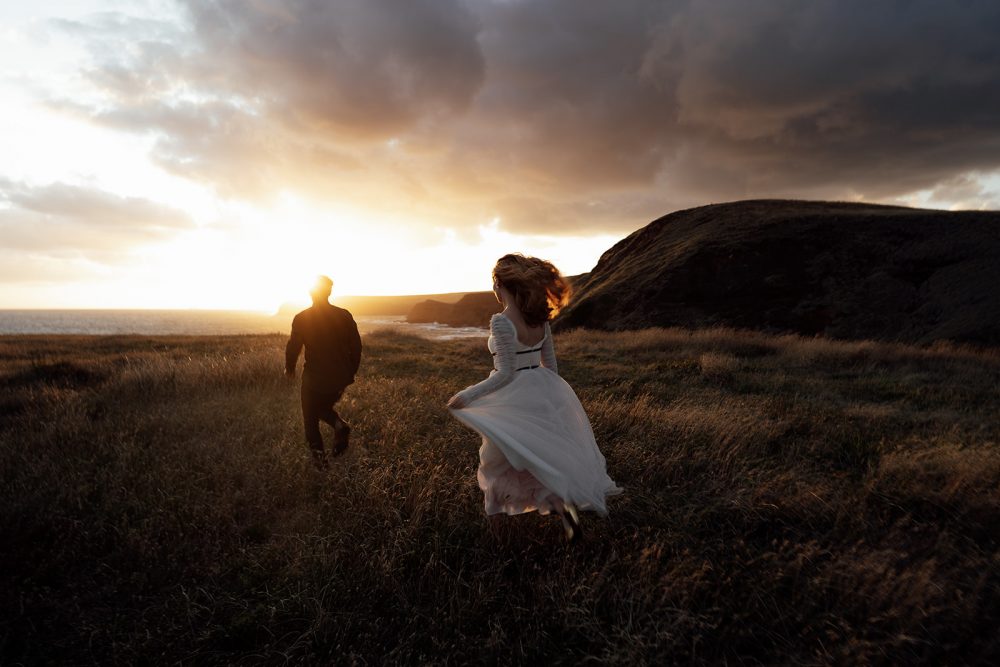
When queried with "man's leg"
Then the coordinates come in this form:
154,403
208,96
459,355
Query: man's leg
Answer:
311,412
341,429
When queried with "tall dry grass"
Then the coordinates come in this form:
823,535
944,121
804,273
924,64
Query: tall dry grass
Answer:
787,500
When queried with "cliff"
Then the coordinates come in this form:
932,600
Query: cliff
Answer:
472,310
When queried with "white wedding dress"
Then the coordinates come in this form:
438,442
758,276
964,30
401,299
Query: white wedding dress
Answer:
538,447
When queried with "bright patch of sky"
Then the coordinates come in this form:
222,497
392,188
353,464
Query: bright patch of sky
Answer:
240,256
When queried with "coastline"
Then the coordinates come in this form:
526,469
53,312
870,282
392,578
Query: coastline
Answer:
196,323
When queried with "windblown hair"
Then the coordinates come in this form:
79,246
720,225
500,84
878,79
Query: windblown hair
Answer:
539,290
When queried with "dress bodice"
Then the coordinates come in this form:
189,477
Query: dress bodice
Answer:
526,356
511,356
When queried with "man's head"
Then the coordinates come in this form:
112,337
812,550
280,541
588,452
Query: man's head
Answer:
320,292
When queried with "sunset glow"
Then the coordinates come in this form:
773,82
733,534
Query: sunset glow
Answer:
178,154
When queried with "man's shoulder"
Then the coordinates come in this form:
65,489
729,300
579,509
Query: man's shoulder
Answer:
322,313
342,312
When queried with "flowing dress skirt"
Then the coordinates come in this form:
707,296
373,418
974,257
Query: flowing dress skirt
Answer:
538,447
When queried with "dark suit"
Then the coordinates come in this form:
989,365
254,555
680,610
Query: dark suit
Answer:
333,354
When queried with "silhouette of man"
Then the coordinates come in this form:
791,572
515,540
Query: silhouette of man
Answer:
333,354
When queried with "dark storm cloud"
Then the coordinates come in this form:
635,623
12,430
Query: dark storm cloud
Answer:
566,98
66,220
878,97
375,66
566,114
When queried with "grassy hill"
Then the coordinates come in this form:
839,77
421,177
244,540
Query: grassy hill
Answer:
787,500
842,270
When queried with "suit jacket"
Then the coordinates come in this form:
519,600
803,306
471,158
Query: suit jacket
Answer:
333,346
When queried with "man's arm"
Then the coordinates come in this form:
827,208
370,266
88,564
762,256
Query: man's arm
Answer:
292,350
354,341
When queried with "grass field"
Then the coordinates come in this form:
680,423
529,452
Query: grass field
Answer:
787,500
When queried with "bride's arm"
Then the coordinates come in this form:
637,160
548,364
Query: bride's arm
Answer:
549,351
503,340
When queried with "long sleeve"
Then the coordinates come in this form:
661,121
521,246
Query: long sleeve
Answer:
355,347
292,350
503,339
549,351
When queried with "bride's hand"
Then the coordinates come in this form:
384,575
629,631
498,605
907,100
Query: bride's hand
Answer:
456,402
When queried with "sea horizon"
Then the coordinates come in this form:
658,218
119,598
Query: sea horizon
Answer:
192,322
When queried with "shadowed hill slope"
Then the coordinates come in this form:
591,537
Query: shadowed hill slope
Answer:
837,269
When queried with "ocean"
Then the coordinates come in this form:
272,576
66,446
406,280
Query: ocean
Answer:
196,323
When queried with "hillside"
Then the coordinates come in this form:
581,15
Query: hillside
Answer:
835,269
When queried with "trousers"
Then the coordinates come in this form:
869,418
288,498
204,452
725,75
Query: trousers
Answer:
318,405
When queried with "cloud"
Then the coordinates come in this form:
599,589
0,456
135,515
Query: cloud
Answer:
69,221
558,115
18,268
876,98
967,191
372,66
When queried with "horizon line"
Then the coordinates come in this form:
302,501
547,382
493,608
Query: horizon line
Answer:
236,310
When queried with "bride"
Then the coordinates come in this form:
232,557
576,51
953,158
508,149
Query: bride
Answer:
538,449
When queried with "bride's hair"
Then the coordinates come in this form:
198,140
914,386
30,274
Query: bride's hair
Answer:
539,289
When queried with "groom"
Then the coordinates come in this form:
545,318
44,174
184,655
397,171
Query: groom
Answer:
333,354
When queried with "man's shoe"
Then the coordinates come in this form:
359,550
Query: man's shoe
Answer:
341,437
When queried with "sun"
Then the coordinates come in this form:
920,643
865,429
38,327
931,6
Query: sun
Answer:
271,256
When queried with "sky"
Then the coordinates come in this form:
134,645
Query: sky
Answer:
221,153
